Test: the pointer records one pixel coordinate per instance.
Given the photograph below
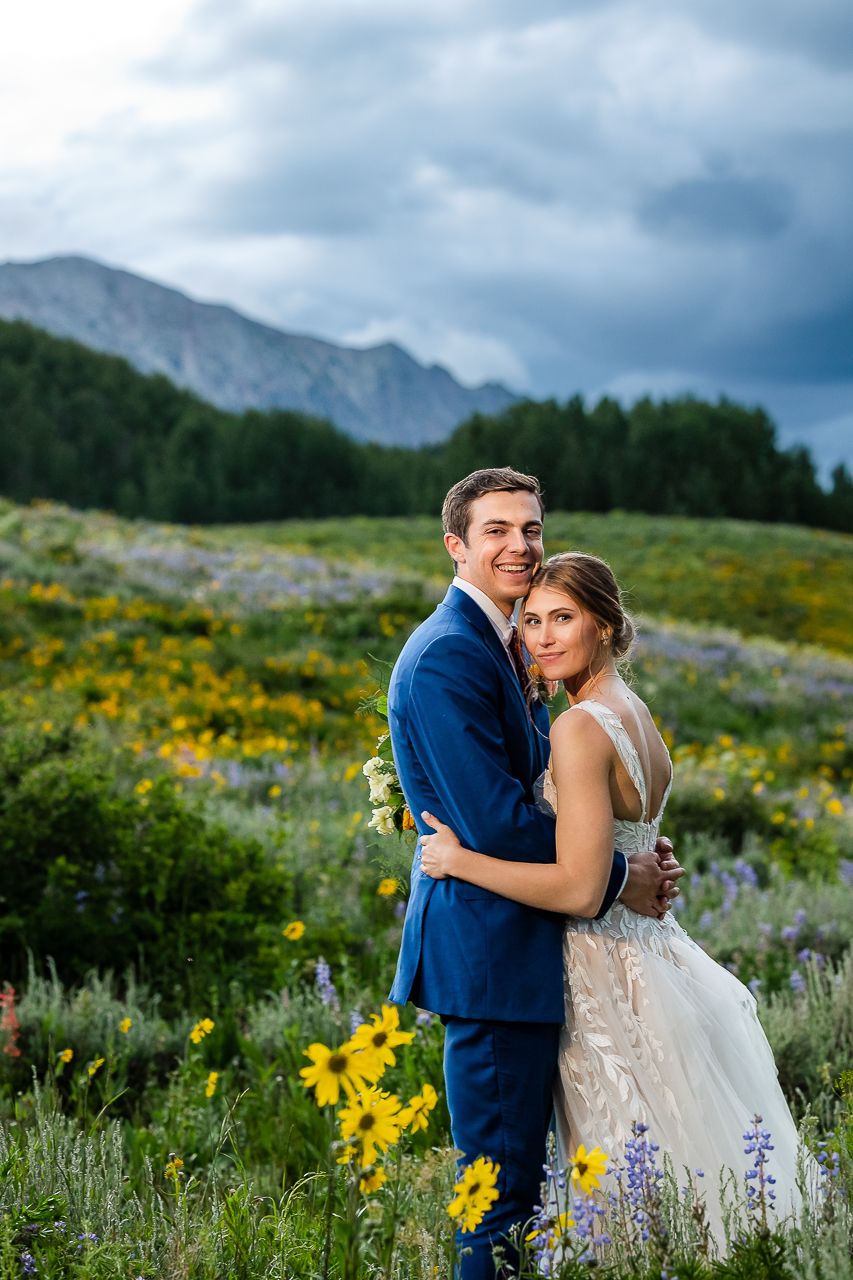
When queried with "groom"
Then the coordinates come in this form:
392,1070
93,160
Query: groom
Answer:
468,748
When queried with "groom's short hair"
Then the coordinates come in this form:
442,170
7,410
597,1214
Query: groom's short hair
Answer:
456,512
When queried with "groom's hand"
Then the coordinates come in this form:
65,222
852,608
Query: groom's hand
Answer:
672,869
652,881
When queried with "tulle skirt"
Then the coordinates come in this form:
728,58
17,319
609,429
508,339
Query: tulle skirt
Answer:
657,1032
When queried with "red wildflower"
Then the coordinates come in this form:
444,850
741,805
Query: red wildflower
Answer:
9,1020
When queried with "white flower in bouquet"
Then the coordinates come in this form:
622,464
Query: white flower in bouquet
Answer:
380,787
372,767
383,820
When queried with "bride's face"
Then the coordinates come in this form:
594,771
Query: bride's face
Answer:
564,640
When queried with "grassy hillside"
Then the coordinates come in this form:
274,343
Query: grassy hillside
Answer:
181,789
783,581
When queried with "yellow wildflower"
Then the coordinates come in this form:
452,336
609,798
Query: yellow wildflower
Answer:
387,887
373,1119
378,1040
210,1090
141,787
330,1069
67,1055
201,1029
719,793
174,1166
835,806
547,1236
125,1025
778,818
99,1062
47,726
417,1112
588,1167
275,791
476,1192
349,1153
294,931
373,1183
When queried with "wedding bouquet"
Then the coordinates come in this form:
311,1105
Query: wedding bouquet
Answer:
391,813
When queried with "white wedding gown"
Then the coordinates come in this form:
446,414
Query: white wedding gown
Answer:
658,1032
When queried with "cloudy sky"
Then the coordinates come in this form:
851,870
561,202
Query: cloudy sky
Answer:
629,196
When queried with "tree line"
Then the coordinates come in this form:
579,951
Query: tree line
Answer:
88,429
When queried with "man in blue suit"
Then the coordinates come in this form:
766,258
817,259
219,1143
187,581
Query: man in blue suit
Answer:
468,746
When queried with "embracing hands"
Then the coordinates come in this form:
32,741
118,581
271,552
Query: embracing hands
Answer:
652,880
440,853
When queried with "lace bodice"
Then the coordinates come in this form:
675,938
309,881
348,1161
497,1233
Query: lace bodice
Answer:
630,837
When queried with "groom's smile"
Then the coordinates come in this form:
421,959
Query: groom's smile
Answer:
502,548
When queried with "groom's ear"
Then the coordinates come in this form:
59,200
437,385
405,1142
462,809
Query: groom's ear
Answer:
455,547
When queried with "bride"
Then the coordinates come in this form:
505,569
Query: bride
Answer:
655,1030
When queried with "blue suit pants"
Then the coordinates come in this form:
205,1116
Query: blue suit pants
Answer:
499,1078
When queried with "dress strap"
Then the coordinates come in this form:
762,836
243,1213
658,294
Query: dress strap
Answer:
612,725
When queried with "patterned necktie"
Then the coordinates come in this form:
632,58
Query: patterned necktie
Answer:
514,649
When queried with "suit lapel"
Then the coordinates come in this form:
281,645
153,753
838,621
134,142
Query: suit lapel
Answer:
471,611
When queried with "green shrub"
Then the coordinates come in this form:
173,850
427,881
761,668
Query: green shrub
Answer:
101,878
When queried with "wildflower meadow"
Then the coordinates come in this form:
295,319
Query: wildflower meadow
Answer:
205,873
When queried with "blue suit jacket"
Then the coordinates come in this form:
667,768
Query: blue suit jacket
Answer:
467,750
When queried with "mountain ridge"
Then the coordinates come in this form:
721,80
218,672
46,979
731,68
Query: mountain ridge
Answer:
377,393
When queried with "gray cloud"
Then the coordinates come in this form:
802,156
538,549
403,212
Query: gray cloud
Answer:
623,194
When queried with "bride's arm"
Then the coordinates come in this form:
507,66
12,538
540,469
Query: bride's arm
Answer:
575,884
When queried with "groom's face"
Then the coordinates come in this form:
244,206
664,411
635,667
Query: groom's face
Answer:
503,548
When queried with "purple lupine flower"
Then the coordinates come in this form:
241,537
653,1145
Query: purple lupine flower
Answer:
754,984
766,929
29,1263
799,918
325,986
829,1161
759,1197
798,982
791,932
706,920
804,956
424,1018
845,870
747,873
400,910
585,1213
355,1021
819,959
643,1177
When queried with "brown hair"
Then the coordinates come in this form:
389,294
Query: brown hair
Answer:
456,512
591,584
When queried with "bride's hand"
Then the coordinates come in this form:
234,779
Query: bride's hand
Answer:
439,852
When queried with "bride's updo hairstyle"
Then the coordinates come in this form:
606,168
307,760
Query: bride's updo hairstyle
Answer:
591,584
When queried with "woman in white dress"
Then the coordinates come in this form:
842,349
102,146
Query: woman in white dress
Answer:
655,1031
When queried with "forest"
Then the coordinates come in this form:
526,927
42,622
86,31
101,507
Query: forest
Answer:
87,429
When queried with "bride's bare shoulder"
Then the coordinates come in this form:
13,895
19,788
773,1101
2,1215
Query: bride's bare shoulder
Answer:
574,726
